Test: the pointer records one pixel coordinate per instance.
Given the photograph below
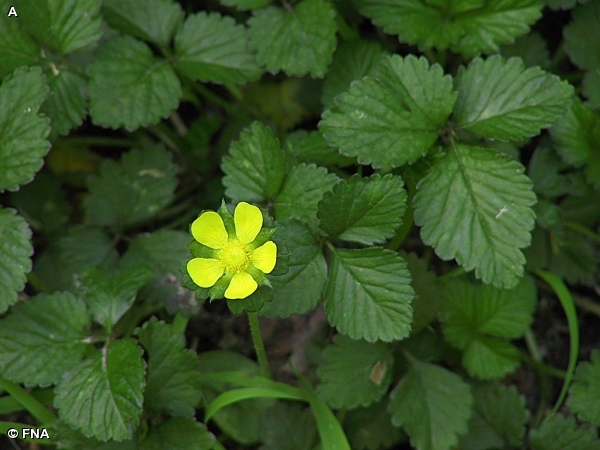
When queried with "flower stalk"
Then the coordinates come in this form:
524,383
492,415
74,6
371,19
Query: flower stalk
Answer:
259,345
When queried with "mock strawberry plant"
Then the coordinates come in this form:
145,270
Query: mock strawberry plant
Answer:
299,224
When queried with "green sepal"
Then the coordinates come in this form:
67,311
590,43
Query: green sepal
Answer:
253,302
264,235
202,251
227,217
218,290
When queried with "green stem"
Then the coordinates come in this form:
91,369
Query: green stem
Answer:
587,304
584,231
259,346
453,273
29,402
404,230
215,99
180,323
98,141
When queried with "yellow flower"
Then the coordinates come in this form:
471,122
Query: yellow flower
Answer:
237,255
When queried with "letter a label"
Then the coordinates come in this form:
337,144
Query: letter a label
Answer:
12,12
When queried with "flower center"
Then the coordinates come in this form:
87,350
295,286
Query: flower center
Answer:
235,256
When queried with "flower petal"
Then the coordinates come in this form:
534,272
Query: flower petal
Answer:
248,222
205,272
265,256
241,286
208,229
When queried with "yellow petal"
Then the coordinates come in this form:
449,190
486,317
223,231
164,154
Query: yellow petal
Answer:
241,286
205,271
264,257
248,222
208,229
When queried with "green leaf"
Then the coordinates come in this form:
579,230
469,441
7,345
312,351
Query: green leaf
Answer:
173,380
577,138
433,405
298,290
15,256
368,294
466,26
23,131
591,87
371,428
211,47
351,61
86,246
477,315
255,168
545,169
582,36
151,20
179,433
162,250
66,105
246,4
42,338
584,397
298,41
531,48
18,48
65,437
109,295
301,192
311,147
365,210
288,426
500,99
130,87
428,301
132,190
561,433
102,396
63,25
475,205
498,421
393,118
354,373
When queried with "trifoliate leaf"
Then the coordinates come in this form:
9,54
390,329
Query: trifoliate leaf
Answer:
18,48
66,105
368,294
477,316
63,25
246,4
351,61
467,26
531,48
365,210
475,205
15,256
561,433
110,295
298,40
179,433
433,405
130,87
584,396
102,396
255,168
151,20
86,246
312,147
501,99
498,421
591,87
393,118
42,338
577,138
301,287
428,298
173,380
23,131
301,192
288,426
582,36
354,373
211,47
134,189
371,428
